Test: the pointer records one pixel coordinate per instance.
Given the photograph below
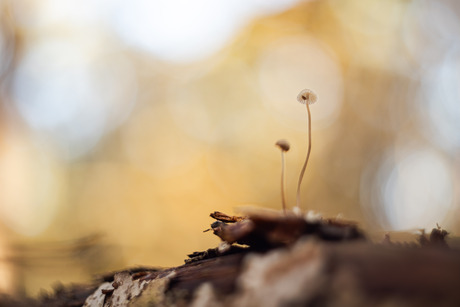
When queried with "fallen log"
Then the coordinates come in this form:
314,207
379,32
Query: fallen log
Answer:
271,259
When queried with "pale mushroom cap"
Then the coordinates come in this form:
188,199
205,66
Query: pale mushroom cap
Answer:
307,96
283,145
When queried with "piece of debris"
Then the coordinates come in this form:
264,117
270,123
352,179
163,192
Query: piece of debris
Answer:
226,218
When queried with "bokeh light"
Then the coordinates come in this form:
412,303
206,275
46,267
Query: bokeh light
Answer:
70,90
426,43
417,191
31,185
290,64
180,31
439,101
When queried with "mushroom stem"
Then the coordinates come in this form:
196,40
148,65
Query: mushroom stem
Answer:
283,183
302,172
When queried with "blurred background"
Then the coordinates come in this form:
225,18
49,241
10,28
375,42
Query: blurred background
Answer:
123,124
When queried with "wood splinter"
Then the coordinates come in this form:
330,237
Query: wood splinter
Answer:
227,218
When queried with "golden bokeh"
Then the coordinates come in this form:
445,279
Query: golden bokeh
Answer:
119,135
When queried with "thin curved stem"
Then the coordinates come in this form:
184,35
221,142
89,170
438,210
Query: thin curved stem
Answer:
306,160
283,180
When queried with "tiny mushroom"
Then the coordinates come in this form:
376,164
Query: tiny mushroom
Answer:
306,97
284,146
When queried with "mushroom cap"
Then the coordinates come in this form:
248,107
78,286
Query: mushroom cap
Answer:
307,96
283,145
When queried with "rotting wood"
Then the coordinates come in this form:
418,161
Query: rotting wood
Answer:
279,260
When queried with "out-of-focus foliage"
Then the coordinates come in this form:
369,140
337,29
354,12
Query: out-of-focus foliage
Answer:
124,124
